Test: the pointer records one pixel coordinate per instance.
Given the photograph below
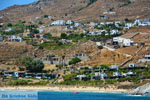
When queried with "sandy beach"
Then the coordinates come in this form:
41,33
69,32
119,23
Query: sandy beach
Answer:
66,88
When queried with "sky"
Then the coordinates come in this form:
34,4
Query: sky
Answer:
6,3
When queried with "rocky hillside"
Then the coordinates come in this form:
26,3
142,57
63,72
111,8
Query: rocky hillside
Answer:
80,10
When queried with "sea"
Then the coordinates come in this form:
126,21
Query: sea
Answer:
87,96
7,3
57,95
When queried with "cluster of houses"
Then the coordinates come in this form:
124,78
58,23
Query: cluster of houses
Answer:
112,31
29,75
62,22
117,24
100,74
103,32
14,38
70,24
123,41
138,22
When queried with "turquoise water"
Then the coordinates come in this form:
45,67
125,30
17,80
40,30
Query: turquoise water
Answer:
49,95
7,3
87,96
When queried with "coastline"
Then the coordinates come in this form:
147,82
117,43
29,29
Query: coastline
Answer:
65,88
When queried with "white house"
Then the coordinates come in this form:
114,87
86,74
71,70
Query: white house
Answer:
116,74
101,75
118,22
109,13
112,32
114,67
15,38
85,31
59,23
1,38
130,73
117,25
41,30
145,59
147,22
103,23
1,17
99,33
103,17
98,43
123,41
108,23
142,24
9,30
132,65
137,22
92,33
128,26
128,42
81,77
77,25
69,22
8,73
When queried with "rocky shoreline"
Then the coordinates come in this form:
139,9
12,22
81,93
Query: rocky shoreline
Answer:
143,90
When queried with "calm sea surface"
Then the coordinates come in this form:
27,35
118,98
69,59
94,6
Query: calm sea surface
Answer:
50,95
87,96
7,3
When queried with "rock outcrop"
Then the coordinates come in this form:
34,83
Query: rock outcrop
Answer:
143,90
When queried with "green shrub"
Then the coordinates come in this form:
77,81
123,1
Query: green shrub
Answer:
33,65
100,47
74,61
18,82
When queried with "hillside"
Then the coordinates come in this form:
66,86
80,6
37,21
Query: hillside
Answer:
80,10
10,52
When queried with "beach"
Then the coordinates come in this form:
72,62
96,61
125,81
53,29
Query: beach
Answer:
66,88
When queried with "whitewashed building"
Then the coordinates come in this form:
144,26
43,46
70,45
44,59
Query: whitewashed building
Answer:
59,23
112,32
116,74
41,30
145,59
114,67
77,25
128,26
137,22
15,38
123,41
69,22
109,13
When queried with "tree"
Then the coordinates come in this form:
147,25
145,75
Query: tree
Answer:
45,16
63,36
100,47
48,35
34,31
40,22
33,65
41,47
9,24
74,61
